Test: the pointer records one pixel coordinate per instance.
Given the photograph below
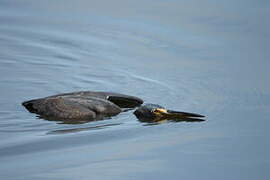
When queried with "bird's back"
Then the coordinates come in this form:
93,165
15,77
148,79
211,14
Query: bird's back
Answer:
81,105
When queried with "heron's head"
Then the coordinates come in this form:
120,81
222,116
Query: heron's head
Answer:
154,112
150,111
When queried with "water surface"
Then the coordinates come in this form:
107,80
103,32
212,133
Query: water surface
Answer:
203,57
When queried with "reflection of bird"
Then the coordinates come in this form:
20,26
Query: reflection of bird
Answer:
154,112
81,105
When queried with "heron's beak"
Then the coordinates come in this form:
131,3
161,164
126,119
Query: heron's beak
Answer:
184,114
170,114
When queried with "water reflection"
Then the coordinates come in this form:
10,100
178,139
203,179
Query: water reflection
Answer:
74,130
154,121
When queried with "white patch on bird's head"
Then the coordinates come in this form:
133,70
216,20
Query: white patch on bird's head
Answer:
159,111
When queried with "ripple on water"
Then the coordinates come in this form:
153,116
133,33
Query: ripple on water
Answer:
62,61
80,129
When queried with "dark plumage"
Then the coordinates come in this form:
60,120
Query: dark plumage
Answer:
84,106
89,105
155,112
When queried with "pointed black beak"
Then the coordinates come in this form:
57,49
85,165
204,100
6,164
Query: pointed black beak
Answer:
156,113
179,114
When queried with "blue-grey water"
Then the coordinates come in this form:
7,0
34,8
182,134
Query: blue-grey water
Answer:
208,57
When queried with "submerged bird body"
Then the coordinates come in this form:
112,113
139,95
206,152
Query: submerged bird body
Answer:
82,105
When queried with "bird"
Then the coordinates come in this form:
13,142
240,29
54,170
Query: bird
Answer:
96,105
81,105
155,113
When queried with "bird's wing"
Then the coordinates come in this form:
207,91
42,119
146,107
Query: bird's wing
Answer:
58,107
124,101
121,100
67,107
